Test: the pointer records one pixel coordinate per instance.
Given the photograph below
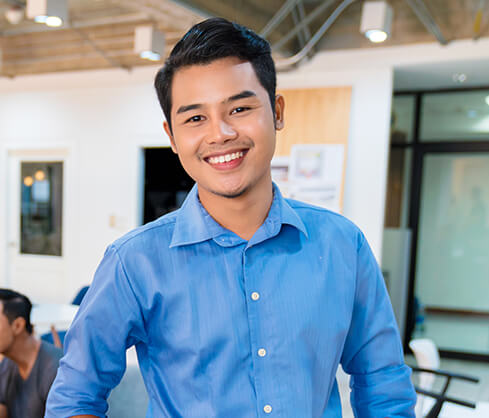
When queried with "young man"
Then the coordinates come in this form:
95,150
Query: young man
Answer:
241,303
29,365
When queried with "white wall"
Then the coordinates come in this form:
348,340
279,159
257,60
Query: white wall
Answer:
105,117
368,141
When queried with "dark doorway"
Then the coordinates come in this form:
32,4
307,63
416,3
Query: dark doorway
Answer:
166,184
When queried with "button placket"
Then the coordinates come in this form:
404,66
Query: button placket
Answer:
253,323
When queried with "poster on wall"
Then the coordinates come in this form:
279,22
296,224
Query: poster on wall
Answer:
316,174
280,174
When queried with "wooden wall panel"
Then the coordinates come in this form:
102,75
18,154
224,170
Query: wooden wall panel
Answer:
314,116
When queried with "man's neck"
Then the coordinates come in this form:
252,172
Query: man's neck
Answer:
24,353
242,215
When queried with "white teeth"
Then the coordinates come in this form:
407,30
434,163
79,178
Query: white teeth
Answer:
225,158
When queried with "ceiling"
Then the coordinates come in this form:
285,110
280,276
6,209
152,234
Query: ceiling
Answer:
442,75
100,33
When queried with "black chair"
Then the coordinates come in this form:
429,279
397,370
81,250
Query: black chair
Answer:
441,397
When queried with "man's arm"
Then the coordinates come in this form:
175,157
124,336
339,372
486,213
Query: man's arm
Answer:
380,381
3,411
107,323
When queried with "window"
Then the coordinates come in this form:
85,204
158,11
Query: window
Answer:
41,208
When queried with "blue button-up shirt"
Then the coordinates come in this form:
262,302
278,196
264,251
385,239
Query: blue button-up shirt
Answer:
225,327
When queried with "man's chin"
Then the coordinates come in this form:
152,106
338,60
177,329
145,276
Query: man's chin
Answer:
230,194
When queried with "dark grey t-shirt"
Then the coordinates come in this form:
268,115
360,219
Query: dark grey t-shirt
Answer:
27,398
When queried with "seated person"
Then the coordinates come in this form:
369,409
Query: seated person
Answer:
29,366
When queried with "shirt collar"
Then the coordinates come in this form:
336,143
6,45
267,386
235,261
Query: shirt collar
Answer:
194,224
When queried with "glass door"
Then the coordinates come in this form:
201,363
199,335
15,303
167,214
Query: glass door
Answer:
452,252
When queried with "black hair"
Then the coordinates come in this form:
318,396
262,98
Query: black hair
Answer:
210,40
16,305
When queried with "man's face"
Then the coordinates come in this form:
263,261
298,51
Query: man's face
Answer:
6,332
223,126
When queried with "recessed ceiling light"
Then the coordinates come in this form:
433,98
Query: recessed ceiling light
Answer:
376,35
150,55
14,15
459,77
28,181
54,21
51,12
149,43
487,100
376,20
40,19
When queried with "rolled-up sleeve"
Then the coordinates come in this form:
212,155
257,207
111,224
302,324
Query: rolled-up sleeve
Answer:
108,322
380,381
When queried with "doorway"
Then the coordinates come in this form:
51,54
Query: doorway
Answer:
441,194
36,228
166,184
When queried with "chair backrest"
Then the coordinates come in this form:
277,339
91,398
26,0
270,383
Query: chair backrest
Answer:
427,357
426,353
79,296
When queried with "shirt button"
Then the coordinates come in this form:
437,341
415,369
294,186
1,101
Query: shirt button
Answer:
262,352
255,296
267,409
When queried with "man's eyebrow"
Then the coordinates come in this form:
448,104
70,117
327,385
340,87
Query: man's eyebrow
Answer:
189,107
243,95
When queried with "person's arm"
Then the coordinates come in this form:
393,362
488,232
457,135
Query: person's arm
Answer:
108,322
3,411
380,381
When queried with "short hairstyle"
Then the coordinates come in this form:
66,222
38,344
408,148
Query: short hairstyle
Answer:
16,305
211,40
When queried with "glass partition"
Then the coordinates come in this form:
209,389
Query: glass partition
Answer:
402,120
455,116
452,268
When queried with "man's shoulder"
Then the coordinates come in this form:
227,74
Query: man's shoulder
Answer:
317,217
7,367
160,230
49,355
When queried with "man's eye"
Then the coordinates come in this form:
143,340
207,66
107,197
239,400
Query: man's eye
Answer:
239,109
196,118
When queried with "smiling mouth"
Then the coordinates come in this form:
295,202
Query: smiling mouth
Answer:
225,158
226,161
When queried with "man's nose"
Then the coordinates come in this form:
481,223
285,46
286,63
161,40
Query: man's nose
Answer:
221,131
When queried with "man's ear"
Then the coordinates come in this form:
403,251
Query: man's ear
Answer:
279,112
167,129
18,325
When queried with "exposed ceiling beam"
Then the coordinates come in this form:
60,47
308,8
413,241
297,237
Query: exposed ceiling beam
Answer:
302,16
109,20
278,17
426,18
288,62
113,62
303,24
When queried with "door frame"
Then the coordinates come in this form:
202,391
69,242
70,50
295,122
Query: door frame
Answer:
30,152
419,150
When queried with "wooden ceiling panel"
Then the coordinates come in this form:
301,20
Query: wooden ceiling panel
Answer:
100,32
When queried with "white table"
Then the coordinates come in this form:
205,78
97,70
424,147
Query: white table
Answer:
44,315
